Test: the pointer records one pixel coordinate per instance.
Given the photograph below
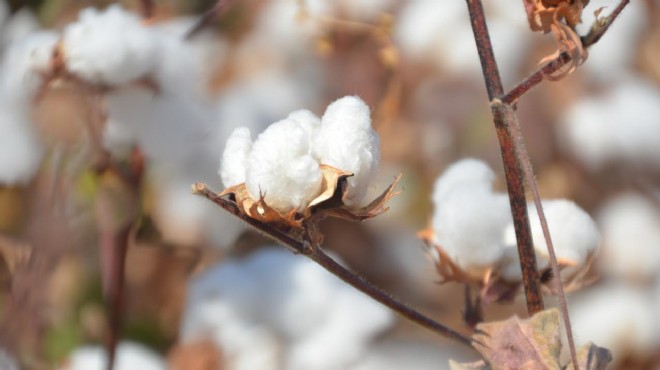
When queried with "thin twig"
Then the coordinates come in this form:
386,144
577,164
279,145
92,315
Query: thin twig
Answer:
317,255
509,116
512,167
595,34
147,8
207,18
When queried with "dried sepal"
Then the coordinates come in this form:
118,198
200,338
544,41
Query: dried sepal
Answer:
329,203
560,18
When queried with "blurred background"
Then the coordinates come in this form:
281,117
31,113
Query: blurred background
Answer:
204,292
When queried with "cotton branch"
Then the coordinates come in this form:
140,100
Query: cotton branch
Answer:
147,8
315,253
512,165
595,34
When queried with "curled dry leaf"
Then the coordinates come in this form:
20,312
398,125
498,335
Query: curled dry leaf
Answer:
532,343
560,18
330,202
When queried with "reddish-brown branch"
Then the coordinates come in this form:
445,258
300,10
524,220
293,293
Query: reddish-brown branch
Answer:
316,254
147,9
595,34
512,166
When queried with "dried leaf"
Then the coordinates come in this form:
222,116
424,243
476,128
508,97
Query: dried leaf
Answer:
479,365
532,343
559,17
592,357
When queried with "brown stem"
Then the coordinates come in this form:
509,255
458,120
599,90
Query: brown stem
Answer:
147,8
512,166
521,152
595,34
207,18
317,255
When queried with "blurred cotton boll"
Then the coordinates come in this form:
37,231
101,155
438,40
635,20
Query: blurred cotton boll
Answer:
6,361
622,127
320,322
19,25
469,218
130,356
22,63
619,317
111,46
574,234
631,237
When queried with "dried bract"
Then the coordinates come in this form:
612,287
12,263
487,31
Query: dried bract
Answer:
559,17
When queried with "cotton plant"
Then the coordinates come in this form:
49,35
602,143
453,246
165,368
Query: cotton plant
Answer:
274,304
472,239
299,165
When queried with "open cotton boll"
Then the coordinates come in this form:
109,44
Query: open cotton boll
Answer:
130,356
574,237
618,317
273,293
20,149
111,46
347,142
631,237
22,63
469,218
623,126
234,158
281,168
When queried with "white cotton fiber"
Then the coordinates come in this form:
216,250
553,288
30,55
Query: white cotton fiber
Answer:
22,63
574,237
321,322
469,218
130,356
622,127
281,168
346,141
631,237
234,158
111,46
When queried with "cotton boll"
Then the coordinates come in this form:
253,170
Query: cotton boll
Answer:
234,157
110,46
574,237
280,167
618,317
469,218
130,356
323,323
631,237
20,149
346,141
622,126
21,66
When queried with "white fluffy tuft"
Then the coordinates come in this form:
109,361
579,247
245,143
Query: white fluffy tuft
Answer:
323,323
129,356
279,166
234,158
347,141
110,46
469,218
